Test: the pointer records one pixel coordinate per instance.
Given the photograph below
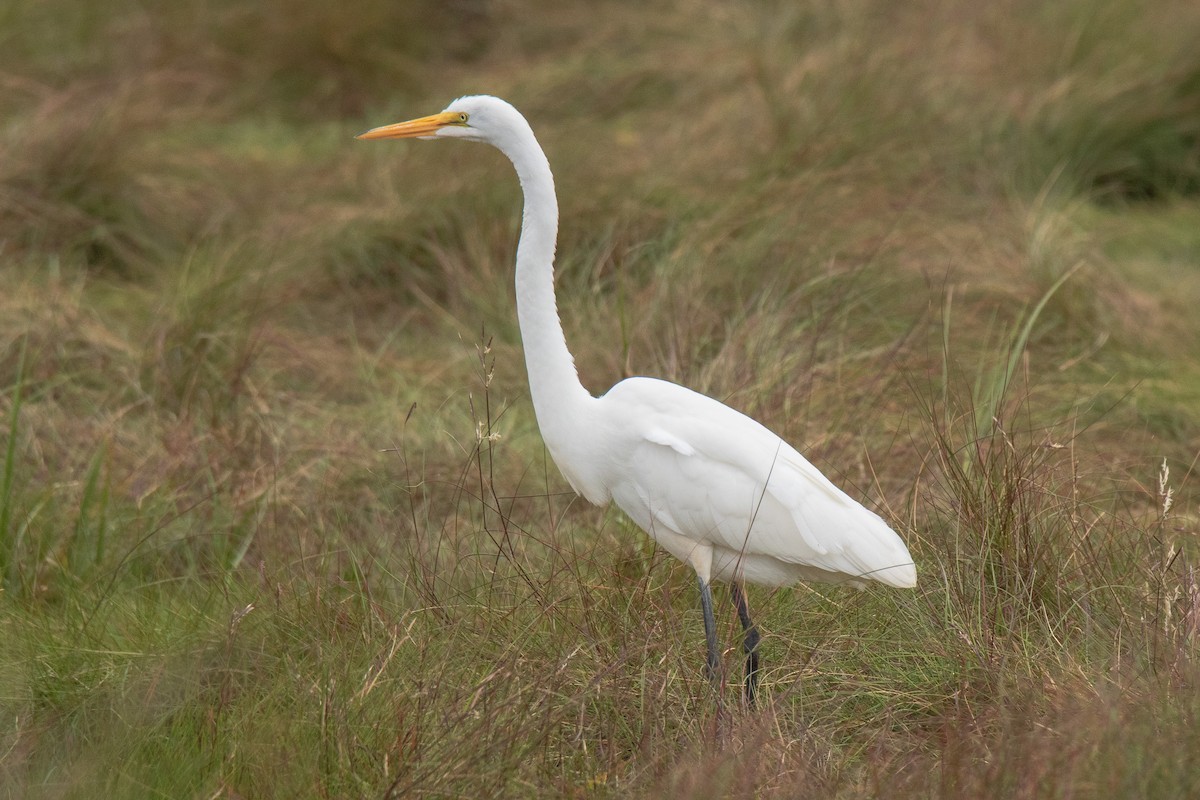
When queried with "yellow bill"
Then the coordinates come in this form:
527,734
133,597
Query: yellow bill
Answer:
425,126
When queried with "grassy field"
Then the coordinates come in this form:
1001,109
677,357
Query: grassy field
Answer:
275,517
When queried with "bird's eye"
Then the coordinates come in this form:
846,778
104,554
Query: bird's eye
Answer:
463,117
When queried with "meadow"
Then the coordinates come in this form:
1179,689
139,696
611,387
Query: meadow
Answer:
275,516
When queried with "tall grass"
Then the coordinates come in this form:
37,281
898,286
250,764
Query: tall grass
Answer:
275,518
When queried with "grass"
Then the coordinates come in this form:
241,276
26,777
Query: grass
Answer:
275,517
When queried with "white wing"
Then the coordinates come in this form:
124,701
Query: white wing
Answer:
690,465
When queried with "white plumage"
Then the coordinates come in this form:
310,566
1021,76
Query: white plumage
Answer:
692,467
714,487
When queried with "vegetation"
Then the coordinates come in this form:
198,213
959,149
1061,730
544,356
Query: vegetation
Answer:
275,518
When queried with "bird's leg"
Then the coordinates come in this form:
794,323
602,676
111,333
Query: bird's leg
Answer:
749,643
713,666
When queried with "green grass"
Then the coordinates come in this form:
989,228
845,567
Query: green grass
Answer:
275,516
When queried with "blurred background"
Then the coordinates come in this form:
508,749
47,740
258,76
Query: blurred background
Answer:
275,519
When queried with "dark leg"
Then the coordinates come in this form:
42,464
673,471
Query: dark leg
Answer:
713,666
749,644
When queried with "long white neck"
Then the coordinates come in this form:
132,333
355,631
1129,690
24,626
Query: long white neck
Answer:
559,399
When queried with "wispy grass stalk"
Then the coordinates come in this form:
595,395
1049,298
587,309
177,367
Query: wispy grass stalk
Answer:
10,540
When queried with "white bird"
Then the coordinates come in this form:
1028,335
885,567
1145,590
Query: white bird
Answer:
712,486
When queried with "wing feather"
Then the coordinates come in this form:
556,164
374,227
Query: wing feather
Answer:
713,474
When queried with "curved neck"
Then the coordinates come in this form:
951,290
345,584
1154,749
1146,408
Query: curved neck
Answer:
553,381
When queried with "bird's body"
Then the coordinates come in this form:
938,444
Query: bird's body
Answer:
715,488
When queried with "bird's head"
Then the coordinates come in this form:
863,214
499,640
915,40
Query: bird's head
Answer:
478,118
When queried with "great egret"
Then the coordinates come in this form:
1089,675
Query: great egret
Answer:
714,487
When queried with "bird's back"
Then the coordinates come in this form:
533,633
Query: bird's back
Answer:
689,469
